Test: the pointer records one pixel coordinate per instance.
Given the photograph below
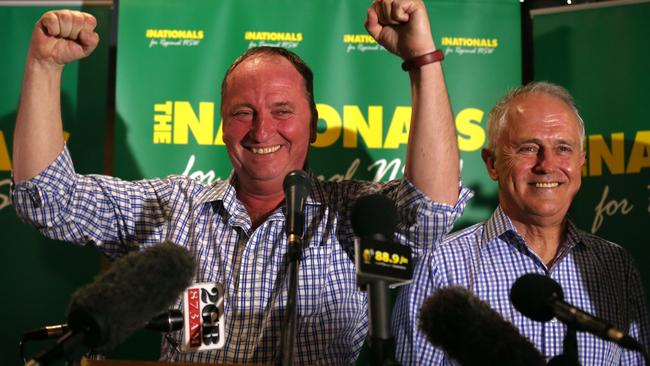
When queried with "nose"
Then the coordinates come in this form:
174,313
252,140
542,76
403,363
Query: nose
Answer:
546,162
262,127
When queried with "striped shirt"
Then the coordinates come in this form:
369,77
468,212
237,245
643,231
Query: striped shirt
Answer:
120,216
597,276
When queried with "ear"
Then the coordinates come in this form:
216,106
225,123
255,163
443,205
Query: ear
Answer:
314,125
489,159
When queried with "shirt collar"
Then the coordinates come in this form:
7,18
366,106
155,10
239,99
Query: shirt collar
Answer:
226,192
500,226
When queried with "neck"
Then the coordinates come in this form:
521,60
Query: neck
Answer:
259,199
542,238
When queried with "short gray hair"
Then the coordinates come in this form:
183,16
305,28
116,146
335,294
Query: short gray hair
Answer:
499,114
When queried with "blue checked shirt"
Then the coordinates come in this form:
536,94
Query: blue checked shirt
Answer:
210,221
596,276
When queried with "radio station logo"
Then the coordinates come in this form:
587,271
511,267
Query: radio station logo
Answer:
361,43
273,39
174,37
468,45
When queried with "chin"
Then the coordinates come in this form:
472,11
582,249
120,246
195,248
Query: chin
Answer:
548,211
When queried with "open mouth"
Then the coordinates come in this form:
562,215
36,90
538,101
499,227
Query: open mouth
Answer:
546,184
265,150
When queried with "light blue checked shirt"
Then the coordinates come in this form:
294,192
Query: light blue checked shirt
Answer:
596,276
210,221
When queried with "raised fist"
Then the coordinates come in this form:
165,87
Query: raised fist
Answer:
401,26
63,36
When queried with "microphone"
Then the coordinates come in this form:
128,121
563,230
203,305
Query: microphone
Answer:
472,333
165,322
375,216
540,298
297,186
46,332
379,263
170,321
121,300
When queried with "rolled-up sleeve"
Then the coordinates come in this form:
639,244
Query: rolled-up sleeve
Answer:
40,200
95,209
424,222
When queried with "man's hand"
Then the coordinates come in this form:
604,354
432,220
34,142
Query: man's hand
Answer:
63,36
401,26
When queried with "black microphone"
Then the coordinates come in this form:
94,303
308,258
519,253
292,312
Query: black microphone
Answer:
374,216
472,333
379,263
170,321
297,186
165,322
121,300
46,332
540,298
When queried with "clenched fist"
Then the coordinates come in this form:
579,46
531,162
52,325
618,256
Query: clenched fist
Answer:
63,36
401,26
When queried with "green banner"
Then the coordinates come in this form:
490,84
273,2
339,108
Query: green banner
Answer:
599,53
173,56
39,275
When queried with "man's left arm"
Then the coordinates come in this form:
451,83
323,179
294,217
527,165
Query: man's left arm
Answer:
639,324
432,161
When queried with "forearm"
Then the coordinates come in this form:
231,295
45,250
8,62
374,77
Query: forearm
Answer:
38,136
432,161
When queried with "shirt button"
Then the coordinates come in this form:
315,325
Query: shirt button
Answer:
554,321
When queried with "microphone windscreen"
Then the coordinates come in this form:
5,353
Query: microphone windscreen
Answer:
472,333
298,179
133,290
297,185
374,214
531,295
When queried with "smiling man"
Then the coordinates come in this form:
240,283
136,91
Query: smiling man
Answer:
235,228
535,154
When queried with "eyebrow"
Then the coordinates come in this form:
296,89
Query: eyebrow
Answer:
282,104
540,142
239,105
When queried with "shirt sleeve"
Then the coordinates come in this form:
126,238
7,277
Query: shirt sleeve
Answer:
94,209
424,222
412,345
423,226
638,328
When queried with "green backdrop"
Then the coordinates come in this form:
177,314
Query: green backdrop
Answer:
600,53
171,58
38,274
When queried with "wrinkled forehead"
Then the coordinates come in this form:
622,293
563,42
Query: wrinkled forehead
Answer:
538,113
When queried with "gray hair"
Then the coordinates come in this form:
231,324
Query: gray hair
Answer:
499,114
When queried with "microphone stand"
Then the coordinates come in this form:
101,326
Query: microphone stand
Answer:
294,253
381,343
569,356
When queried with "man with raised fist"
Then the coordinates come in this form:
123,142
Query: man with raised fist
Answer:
235,227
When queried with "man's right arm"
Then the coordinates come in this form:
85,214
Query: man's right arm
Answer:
59,37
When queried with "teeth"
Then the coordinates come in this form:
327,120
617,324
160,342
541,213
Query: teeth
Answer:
265,150
546,184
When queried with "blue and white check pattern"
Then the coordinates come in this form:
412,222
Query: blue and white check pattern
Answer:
596,276
210,221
